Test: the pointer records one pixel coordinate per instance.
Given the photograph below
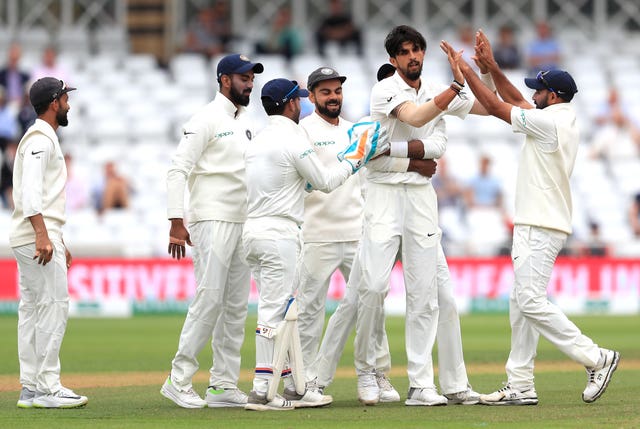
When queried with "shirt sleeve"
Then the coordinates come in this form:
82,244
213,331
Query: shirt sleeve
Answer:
389,164
461,105
37,151
310,167
385,98
436,144
535,123
195,137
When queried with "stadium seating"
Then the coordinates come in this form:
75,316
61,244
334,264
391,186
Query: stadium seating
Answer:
127,108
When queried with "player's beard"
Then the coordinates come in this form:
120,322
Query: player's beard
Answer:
239,98
412,75
324,110
61,118
543,103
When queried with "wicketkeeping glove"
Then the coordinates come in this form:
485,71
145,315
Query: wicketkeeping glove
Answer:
366,141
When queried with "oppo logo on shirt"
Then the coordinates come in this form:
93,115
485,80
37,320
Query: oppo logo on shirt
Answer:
306,153
326,143
225,134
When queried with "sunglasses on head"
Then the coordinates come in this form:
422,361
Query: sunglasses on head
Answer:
540,78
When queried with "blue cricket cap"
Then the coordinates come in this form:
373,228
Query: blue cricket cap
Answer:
279,91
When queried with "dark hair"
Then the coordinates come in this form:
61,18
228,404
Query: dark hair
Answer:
401,34
271,108
41,108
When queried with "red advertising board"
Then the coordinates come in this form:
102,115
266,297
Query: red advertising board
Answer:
164,279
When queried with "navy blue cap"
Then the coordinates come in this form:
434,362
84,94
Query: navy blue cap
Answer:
558,81
47,89
237,63
279,91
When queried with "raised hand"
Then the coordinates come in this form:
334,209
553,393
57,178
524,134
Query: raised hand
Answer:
455,60
483,52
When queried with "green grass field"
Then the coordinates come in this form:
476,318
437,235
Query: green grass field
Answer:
121,364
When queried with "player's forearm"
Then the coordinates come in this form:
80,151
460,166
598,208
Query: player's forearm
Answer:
38,225
418,115
505,88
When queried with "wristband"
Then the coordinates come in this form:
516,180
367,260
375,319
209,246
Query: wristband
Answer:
400,149
461,85
488,81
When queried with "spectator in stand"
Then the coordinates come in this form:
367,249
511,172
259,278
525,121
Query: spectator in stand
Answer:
338,27
506,51
210,33
113,190
618,138
6,176
634,215
612,104
284,38
543,52
8,122
76,189
13,79
484,190
466,42
50,66
26,115
594,245
448,190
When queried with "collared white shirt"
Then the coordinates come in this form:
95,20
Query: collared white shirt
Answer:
39,178
388,94
543,192
280,161
337,216
210,161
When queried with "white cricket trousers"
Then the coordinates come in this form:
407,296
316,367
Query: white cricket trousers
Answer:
319,262
42,317
452,371
533,254
273,250
394,216
219,308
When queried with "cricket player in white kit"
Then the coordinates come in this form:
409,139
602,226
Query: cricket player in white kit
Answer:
542,222
210,162
401,212
39,179
280,162
332,229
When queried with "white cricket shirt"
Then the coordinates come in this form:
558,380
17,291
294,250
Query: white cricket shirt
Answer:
39,178
210,161
389,93
279,162
543,194
337,216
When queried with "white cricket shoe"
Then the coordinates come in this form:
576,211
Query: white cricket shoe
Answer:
466,397
314,386
599,376
26,398
63,398
310,399
368,390
427,396
387,392
184,398
223,398
510,395
259,402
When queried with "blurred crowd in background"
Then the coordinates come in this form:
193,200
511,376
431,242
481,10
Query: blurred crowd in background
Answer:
121,182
